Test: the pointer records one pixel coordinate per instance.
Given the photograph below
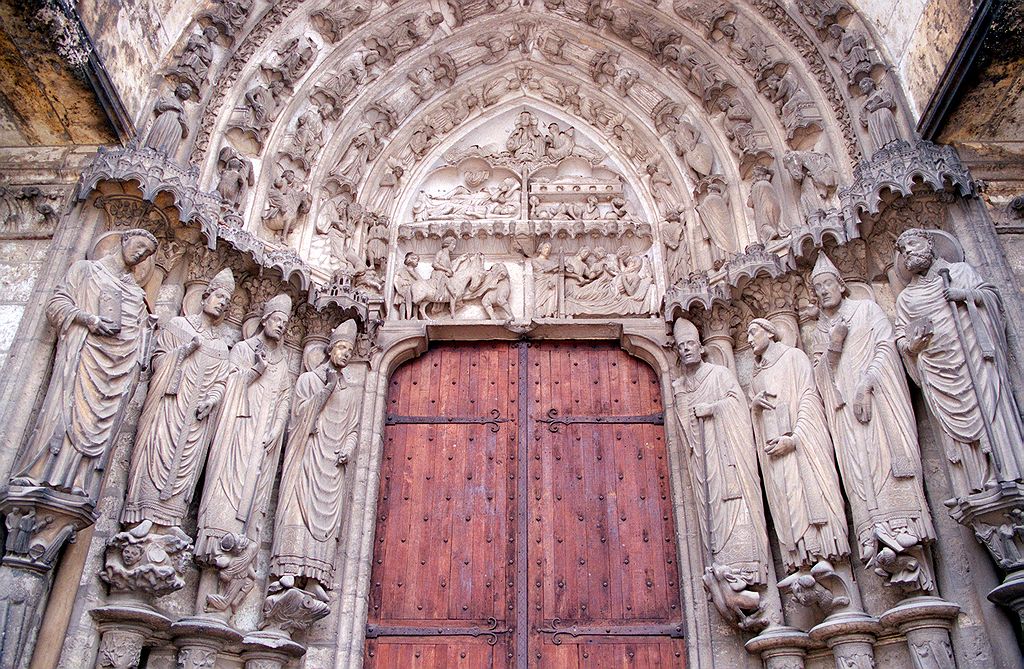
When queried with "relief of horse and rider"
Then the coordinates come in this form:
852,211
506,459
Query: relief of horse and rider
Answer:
452,283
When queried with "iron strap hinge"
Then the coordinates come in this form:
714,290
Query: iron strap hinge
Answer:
555,421
492,420
672,630
491,631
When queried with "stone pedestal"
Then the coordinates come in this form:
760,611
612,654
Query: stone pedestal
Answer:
926,622
124,630
780,647
851,637
269,650
39,523
199,640
996,515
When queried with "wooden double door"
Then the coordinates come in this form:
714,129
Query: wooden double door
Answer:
525,515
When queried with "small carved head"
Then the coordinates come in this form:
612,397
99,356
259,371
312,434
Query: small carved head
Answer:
137,245
688,345
760,334
544,250
131,554
411,260
866,85
917,249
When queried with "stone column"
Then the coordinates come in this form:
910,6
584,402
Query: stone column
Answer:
269,651
39,522
926,622
124,630
718,340
780,647
851,637
199,640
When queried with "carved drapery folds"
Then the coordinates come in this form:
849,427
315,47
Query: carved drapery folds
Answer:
555,163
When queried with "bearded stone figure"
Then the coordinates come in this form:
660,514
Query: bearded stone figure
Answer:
714,422
867,404
103,326
950,329
795,452
323,433
190,370
247,439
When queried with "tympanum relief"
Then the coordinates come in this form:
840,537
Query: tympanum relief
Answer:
537,224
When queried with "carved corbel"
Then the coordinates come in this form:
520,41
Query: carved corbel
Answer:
40,522
146,561
289,609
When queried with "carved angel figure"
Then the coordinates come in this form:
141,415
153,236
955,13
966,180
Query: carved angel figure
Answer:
169,128
235,177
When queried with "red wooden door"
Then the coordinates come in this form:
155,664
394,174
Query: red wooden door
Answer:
524,516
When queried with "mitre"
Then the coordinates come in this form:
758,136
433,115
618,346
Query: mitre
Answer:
281,303
824,266
683,327
224,280
344,332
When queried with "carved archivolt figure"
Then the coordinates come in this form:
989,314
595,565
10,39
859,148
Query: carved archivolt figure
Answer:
950,329
286,203
323,433
250,426
795,451
103,330
879,114
235,177
714,422
190,369
169,128
868,408
764,200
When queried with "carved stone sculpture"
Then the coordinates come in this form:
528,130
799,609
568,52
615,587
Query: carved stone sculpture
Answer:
323,434
795,452
714,241
764,201
169,127
190,370
879,114
287,201
599,283
868,408
714,423
235,176
103,328
816,174
547,277
950,329
248,435
194,63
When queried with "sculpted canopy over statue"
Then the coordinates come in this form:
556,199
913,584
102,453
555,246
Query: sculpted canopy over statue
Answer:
247,438
868,408
714,422
103,330
190,369
795,451
323,433
950,329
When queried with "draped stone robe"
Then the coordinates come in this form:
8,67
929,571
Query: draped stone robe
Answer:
944,367
94,377
724,449
324,428
878,460
802,486
240,471
171,443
